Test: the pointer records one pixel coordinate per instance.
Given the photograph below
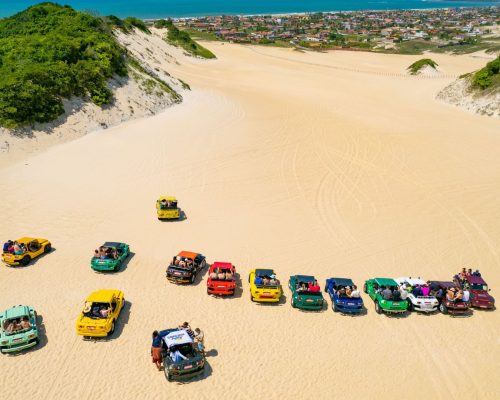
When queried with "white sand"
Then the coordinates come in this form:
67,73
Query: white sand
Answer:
332,164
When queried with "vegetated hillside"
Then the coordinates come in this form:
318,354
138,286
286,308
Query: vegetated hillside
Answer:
50,52
180,38
419,65
488,78
477,91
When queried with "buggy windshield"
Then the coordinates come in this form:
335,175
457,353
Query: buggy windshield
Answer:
478,286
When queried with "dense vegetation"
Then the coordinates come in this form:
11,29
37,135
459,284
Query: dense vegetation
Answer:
183,39
130,22
418,65
49,52
487,77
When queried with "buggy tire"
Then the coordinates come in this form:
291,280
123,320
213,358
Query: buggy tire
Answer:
365,288
37,341
335,308
167,374
251,298
193,278
410,307
293,303
112,330
25,260
47,248
378,309
443,308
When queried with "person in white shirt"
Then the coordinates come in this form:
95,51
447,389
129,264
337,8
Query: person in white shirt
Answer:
466,295
355,292
403,292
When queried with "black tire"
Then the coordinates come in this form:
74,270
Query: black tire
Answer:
410,307
193,277
335,308
251,298
378,309
112,330
118,266
248,278
25,260
293,303
365,288
167,374
443,308
37,341
47,248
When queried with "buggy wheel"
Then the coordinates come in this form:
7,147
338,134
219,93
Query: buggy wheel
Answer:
37,341
293,303
25,260
443,308
410,307
365,289
378,309
193,277
251,297
47,249
112,328
335,308
167,374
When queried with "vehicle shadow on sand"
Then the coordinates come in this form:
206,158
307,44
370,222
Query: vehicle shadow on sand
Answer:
120,323
201,275
211,353
125,263
42,339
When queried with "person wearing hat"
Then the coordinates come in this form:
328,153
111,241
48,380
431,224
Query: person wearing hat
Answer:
87,308
273,281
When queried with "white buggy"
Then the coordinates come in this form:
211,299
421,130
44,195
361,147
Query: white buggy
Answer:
426,304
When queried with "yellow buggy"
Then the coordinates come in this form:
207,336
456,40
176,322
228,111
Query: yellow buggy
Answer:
166,208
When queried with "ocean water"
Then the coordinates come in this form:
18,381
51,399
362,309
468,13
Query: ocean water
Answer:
186,8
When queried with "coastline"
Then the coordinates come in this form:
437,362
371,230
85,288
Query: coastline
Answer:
299,13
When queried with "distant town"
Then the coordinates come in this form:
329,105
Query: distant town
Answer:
405,31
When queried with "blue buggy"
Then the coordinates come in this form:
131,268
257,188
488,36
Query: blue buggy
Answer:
336,287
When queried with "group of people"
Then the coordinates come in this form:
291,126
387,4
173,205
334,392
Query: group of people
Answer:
175,354
308,286
220,274
455,294
461,277
106,253
15,325
14,247
393,293
183,262
347,291
267,280
96,310
165,204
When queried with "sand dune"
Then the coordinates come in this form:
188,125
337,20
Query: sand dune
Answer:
333,164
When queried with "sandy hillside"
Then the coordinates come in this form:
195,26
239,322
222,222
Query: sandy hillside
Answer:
334,164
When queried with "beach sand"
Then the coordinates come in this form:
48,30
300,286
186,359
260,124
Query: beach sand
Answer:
335,164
